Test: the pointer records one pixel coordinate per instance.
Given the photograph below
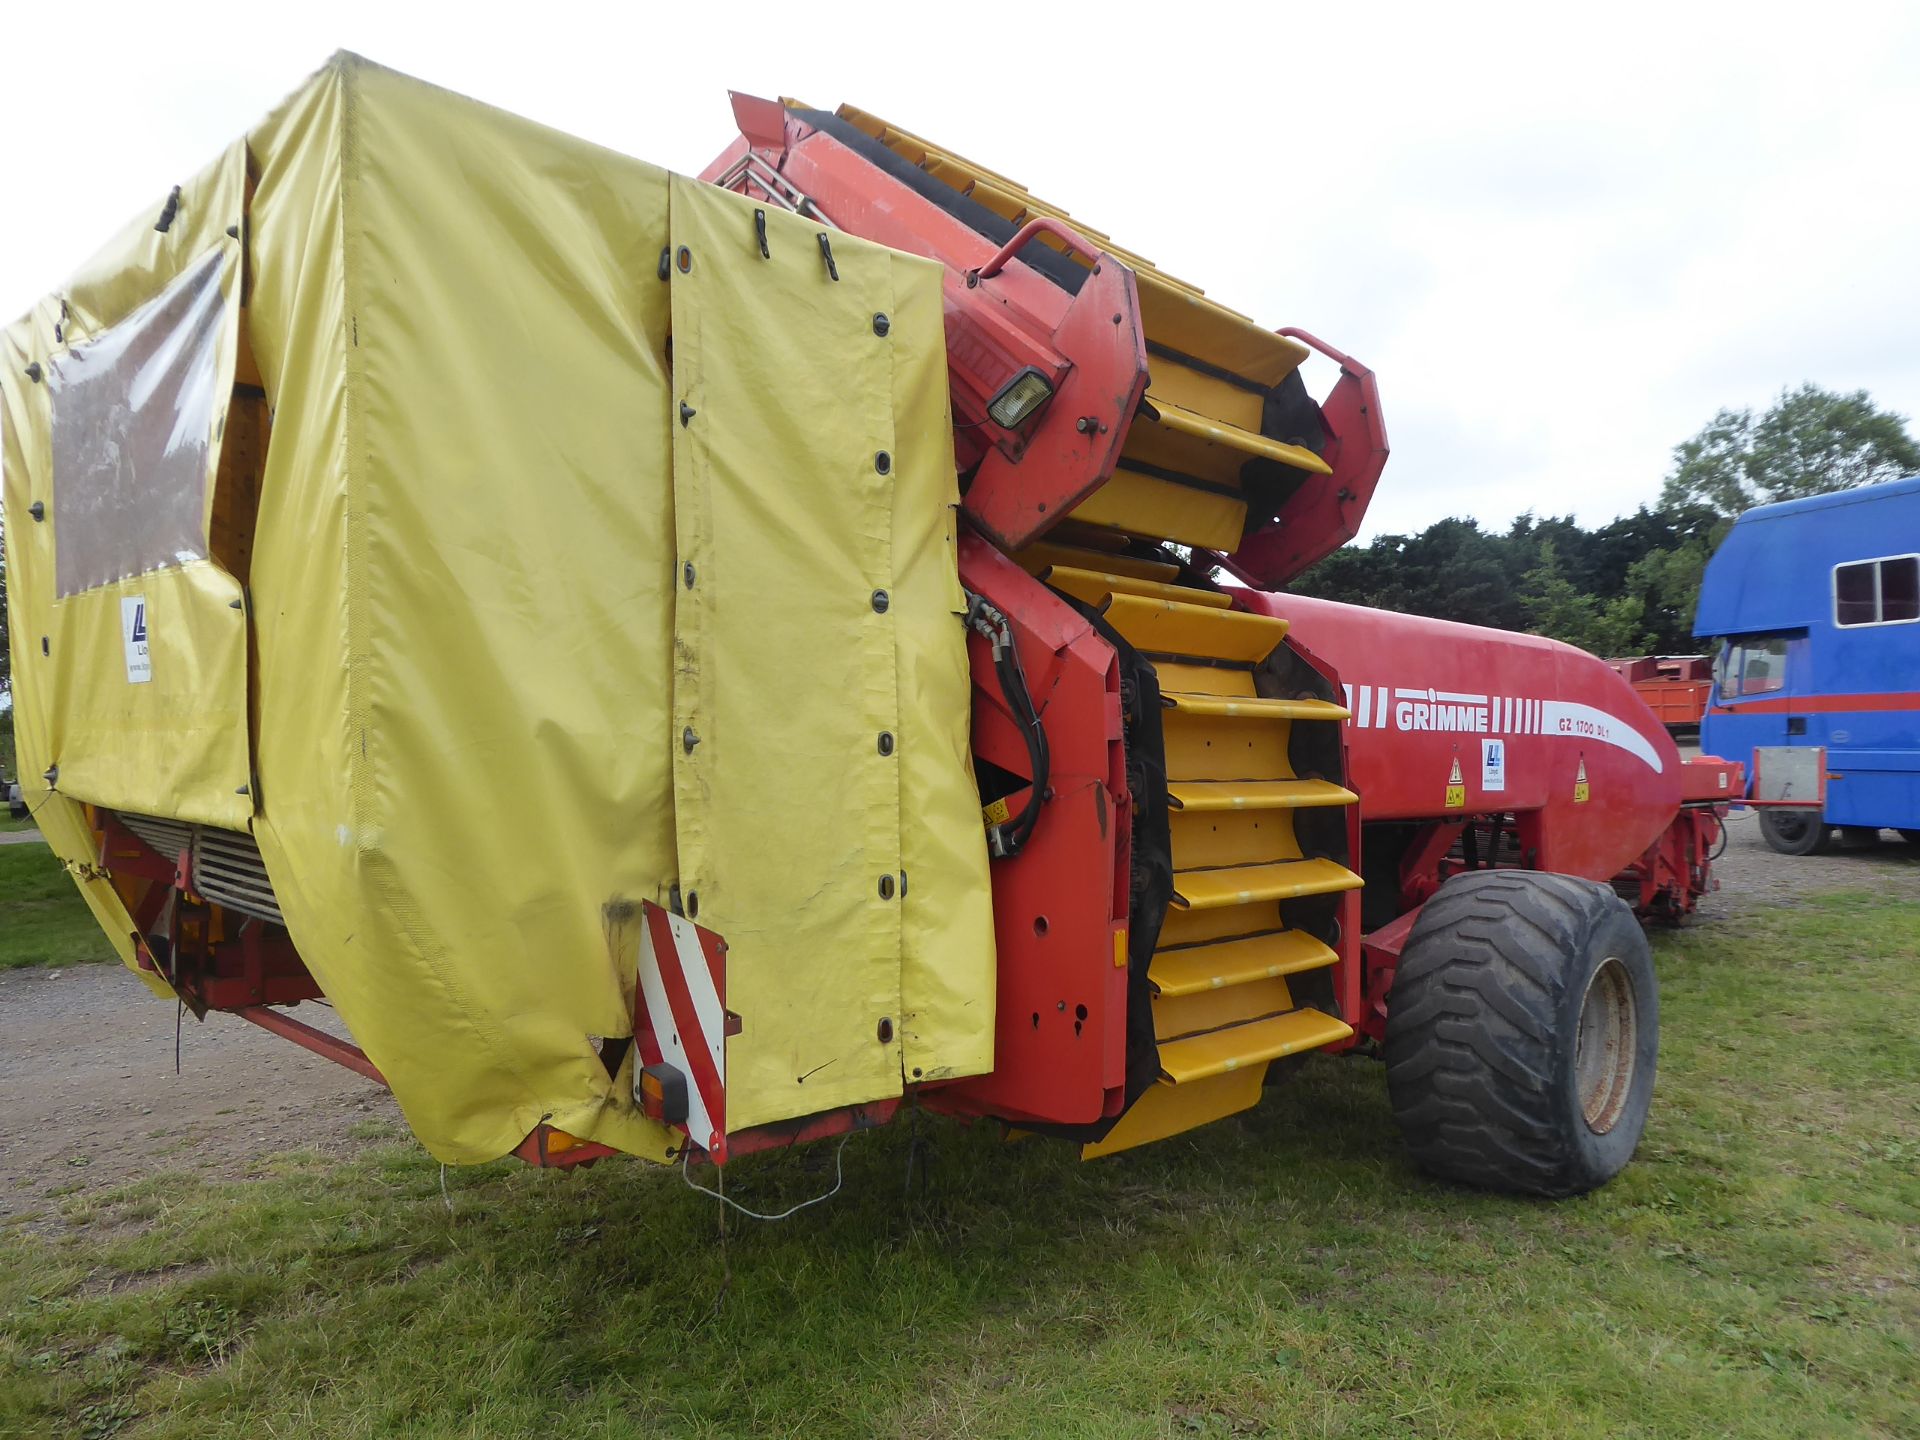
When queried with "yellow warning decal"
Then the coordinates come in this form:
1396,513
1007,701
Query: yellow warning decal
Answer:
1580,791
1456,788
997,813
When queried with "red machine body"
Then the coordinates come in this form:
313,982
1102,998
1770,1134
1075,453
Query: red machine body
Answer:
1220,769
1510,723
1474,747
1467,747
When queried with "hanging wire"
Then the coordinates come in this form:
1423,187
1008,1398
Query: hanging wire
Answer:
839,1177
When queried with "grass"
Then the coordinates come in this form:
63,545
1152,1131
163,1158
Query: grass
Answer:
1755,1272
43,920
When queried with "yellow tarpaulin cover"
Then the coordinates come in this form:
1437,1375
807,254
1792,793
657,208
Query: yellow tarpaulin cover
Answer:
569,586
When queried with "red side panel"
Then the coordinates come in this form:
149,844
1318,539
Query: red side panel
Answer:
1060,917
1323,515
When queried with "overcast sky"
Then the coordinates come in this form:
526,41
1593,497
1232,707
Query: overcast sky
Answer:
1564,236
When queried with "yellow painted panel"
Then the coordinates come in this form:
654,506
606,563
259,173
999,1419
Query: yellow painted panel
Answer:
1219,1052
1190,927
1167,1110
1172,627
1094,587
1203,838
1237,962
1037,558
1170,382
1231,684
1257,794
1206,747
1183,320
1143,504
1254,709
1175,1016
1244,884
1248,443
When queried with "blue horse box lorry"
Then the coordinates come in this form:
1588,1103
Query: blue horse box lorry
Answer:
1817,684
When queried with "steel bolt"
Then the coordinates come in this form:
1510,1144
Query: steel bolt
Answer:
880,323
880,602
688,739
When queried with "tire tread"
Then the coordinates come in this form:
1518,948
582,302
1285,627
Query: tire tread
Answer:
1471,1020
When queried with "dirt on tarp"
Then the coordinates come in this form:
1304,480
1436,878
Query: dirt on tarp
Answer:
89,1097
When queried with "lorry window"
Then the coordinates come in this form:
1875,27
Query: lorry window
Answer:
1900,589
1755,665
1877,592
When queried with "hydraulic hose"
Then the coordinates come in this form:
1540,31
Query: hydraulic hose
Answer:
1010,836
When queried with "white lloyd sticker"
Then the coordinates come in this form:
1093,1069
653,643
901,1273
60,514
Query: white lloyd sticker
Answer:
1493,764
133,630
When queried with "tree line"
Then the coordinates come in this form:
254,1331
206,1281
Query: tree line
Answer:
1628,587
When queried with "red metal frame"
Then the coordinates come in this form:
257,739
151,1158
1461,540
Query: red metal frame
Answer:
307,1037
1677,868
1060,906
1322,515
546,1148
1380,957
784,1134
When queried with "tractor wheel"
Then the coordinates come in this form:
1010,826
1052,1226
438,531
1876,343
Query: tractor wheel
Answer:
1522,1032
1795,832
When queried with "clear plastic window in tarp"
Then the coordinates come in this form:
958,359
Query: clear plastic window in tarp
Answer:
133,414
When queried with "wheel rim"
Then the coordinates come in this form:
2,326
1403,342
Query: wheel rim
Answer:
1603,1057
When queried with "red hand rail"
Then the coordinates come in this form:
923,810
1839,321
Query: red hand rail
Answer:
1072,240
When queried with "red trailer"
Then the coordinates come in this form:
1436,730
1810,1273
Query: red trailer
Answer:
1675,687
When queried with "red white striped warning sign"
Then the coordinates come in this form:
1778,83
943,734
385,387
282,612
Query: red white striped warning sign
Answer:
681,1017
